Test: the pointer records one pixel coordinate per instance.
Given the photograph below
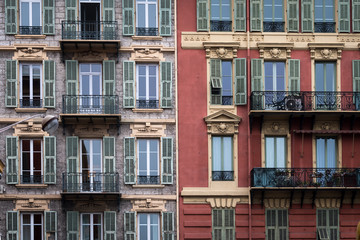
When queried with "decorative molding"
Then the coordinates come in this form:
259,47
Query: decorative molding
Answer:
326,125
33,128
275,50
223,202
147,130
30,53
348,39
90,206
91,130
222,122
90,56
147,54
329,51
275,127
327,202
222,50
300,38
277,202
31,204
148,205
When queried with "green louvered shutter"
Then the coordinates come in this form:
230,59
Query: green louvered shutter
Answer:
202,15
51,223
215,80
257,83
166,84
307,15
50,160
165,17
111,105
110,225
293,15
72,159
255,16
129,160
240,15
129,84
130,225
128,17
49,17
11,83
12,223
49,84
12,160
282,223
72,225
223,223
168,226
167,160
110,178
109,18
294,75
270,216
11,16
356,82
240,81
356,15
344,15
71,101
70,29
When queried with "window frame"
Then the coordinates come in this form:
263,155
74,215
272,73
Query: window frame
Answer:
276,227
327,227
32,224
148,224
223,229
148,104
273,7
275,150
148,159
31,84
147,4
31,161
91,224
30,12
216,89
222,160
325,150
323,7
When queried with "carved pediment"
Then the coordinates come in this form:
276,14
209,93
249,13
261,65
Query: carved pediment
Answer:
30,53
222,122
222,50
149,205
275,50
147,54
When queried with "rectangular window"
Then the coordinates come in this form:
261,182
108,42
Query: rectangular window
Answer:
275,85
30,85
222,158
223,223
30,17
91,164
275,152
91,226
324,12
274,16
146,18
326,152
31,226
90,88
31,161
276,224
220,11
147,86
221,86
148,161
149,226
327,224
325,85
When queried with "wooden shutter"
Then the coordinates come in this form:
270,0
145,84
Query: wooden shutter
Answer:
71,102
255,16
270,216
50,160
128,17
333,221
129,160
72,159
12,225
344,15
72,225
110,184
12,160
294,75
71,10
109,18
168,228
51,222
240,15
282,223
215,80
11,83
49,17
356,15
129,84
167,160
223,221
165,17
257,74
111,106
293,15
166,84
49,84
202,15
356,83
110,225
240,81
11,16
307,15
130,225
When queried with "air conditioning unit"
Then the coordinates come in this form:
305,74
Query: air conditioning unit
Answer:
293,103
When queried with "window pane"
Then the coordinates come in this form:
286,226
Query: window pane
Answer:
142,88
152,16
36,14
330,77
152,88
225,10
268,10
269,84
269,152
215,9
141,15
329,10
278,10
25,18
26,232
227,153
320,153
142,145
216,155
96,68
84,68
85,85
331,153
319,77
226,78
280,152
96,84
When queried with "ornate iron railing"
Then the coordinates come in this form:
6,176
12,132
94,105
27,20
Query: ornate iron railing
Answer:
30,103
90,182
222,175
221,100
305,101
147,180
100,30
30,30
325,27
91,104
147,104
31,179
142,31
305,177
274,26
220,26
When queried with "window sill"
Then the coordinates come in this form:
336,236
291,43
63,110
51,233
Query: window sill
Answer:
31,185
30,110
147,38
157,110
148,186
17,36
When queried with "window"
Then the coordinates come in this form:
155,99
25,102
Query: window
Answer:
91,164
30,85
221,81
220,11
31,226
149,226
148,158
90,88
276,224
273,16
327,224
222,158
146,18
326,152
147,86
325,86
91,226
324,16
223,224
31,161
275,152
275,84
30,17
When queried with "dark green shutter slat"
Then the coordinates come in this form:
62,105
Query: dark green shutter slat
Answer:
12,225
49,84
344,15
72,225
110,225
12,167
294,75
71,10
255,16
356,15
257,74
72,159
129,84
168,229
11,83
240,81
50,159
307,15
71,103
11,16
356,75
109,18
110,184
49,17
215,80
130,225
202,15
293,15
111,106
129,160
167,160
165,17
51,222
128,17
166,84
240,15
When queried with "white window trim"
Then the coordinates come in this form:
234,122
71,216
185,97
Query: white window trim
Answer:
32,224
31,90
32,156
91,225
147,3
148,225
91,87
274,76
30,11
147,156
147,80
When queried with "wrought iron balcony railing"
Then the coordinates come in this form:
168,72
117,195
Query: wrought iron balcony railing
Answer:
30,30
147,180
274,26
220,26
305,101
30,103
305,177
81,30
90,182
223,175
147,104
324,27
143,31
91,104
31,179
221,100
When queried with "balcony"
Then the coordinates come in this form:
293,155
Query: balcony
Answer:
30,30
148,180
31,179
324,27
90,104
30,103
220,26
274,26
143,31
147,104
223,175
